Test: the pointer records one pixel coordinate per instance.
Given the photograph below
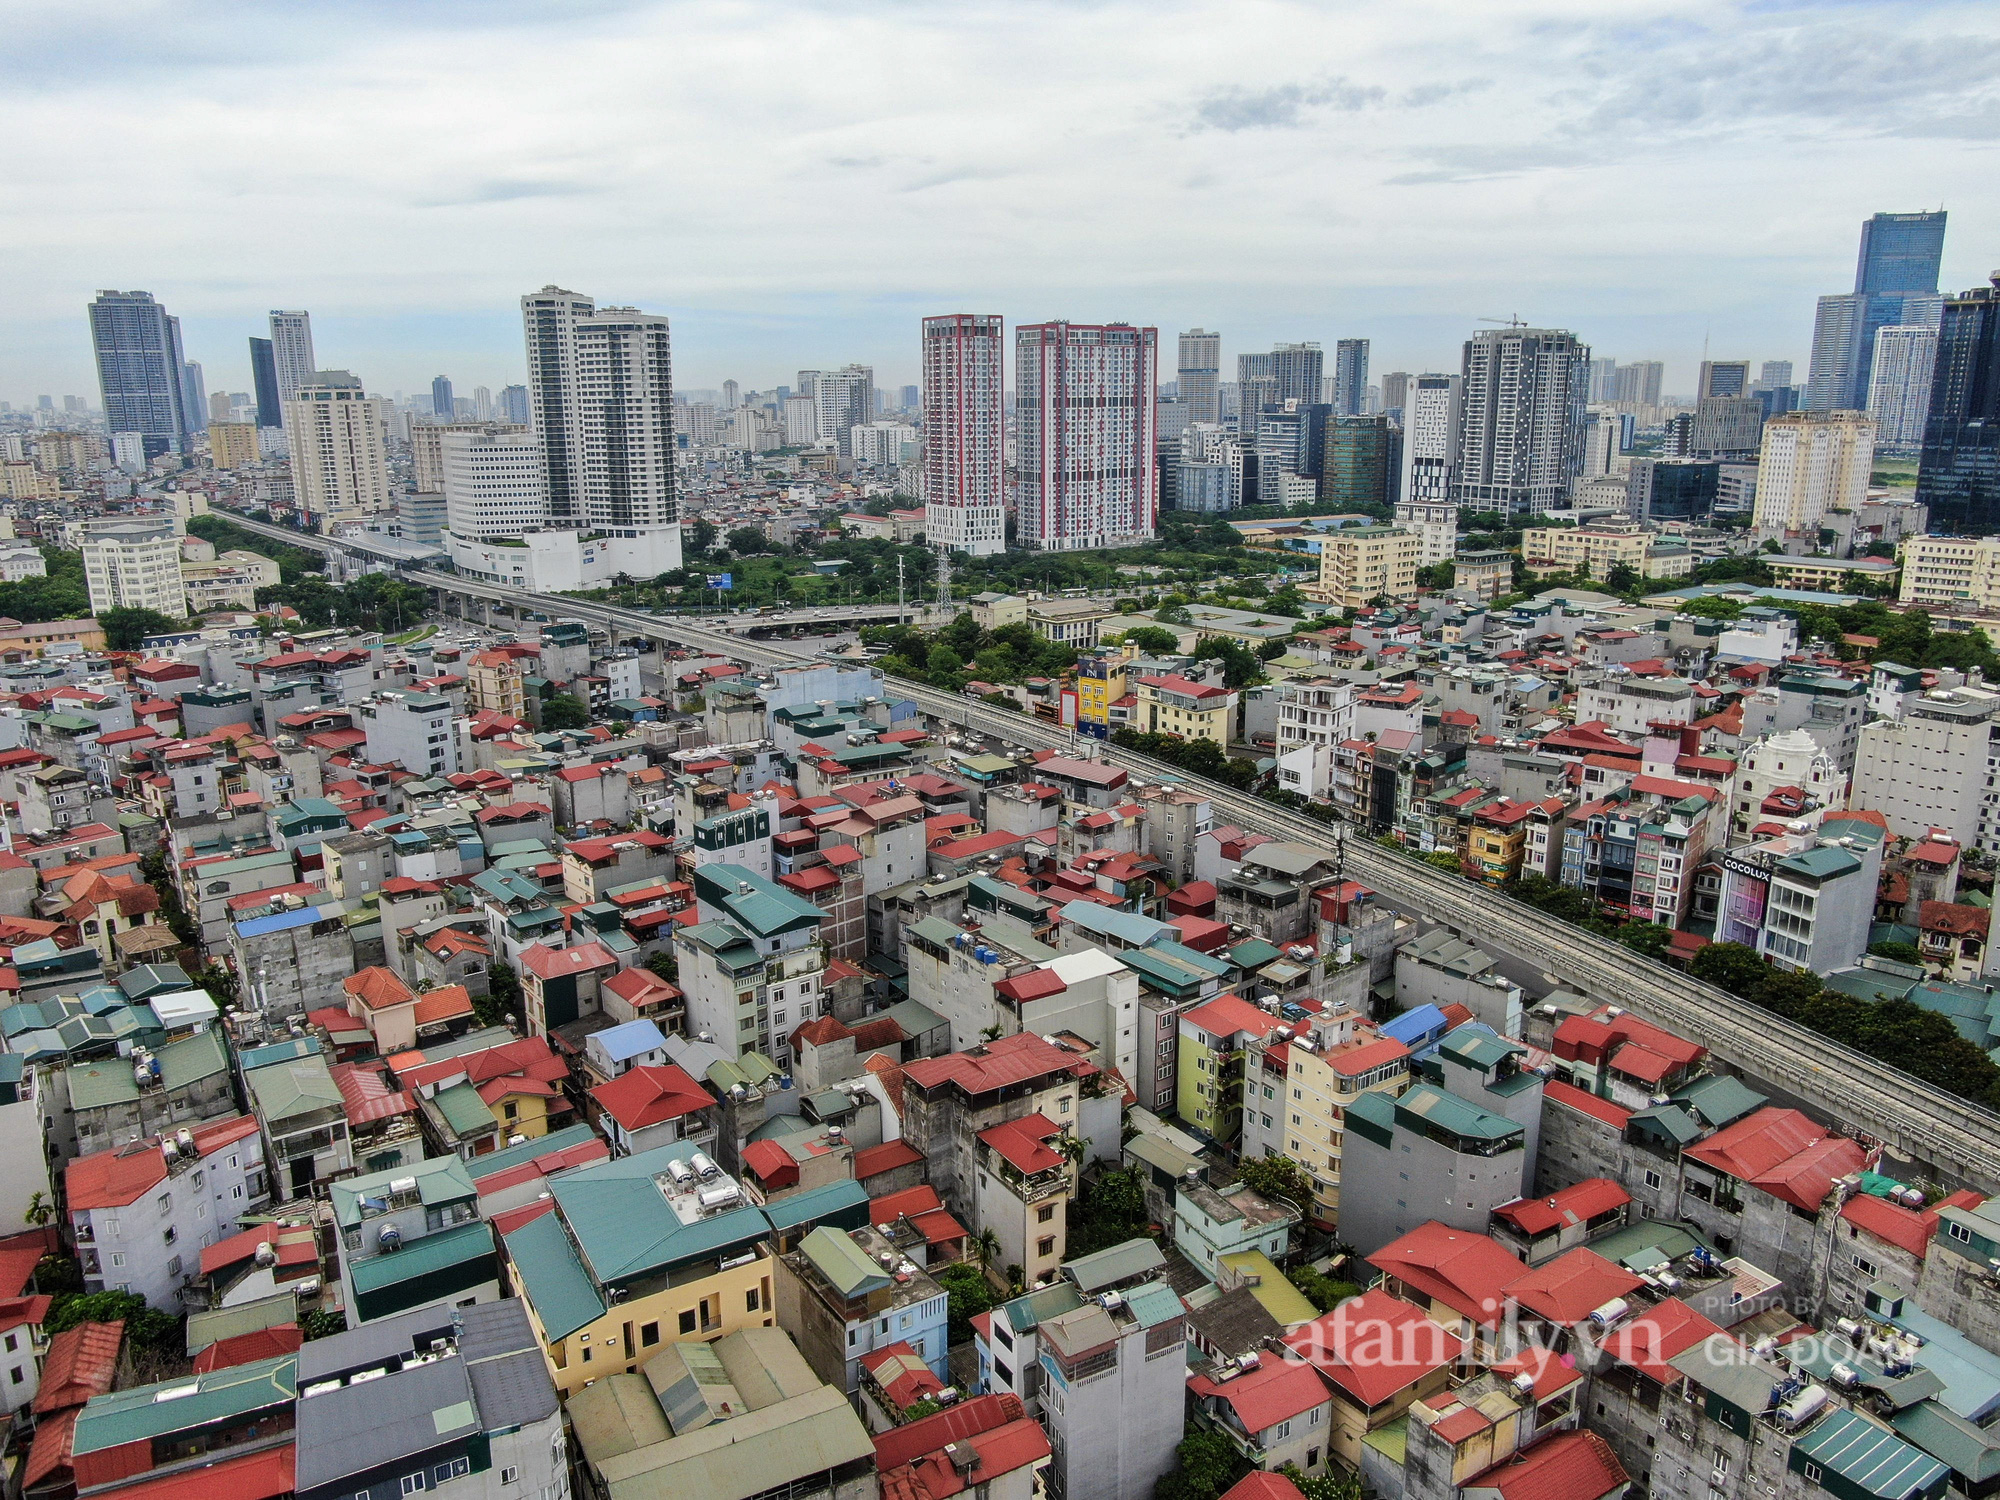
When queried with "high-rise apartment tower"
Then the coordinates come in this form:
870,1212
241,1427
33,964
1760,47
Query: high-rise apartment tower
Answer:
964,357
1084,402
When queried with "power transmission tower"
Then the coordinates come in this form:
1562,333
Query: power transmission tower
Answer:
944,579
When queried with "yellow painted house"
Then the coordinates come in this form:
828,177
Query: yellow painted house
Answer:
1192,710
1100,682
656,1248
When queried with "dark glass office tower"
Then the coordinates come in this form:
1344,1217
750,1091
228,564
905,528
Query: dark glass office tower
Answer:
264,379
1900,255
138,347
441,402
1960,474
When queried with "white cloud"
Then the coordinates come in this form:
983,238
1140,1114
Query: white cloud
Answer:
797,183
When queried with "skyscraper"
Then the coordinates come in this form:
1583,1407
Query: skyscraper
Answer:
264,380
964,467
482,404
1900,255
494,479
1723,377
1774,373
1425,498
1603,380
1960,476
1899,389
1360,463
1200,371
1395,390
1638,384
1296,369
340,471
601,390
512,405
1520,435
1834,374
844,399
732,395
441,399
291,350
1350,376
1812,462
138,348
194,396
1291,442
1083,398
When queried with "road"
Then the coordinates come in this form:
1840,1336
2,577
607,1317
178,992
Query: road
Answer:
1937,1134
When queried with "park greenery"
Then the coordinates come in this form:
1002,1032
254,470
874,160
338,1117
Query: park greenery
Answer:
1110,1212
60,596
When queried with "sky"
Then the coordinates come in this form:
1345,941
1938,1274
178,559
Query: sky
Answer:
796,184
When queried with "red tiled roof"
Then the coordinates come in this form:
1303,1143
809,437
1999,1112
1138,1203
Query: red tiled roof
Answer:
771,1163
1568,1466
1952,920
1570,1287
911,1460
81,1364
1276,1391
992,1065
923,1208
1656,1336
1568,1207
378,988
1784,1153
1226,1015
649,1094
1906,1228
247,1348
114,1178
871,1161
552,963
1467,1272
1023,1142
263,1475
1375,1345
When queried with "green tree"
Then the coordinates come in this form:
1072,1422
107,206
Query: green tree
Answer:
1321,1290
1731,966
1111,1212
1240,665
1174,614
127,629
147,1328
697,537
564,712
1205,1464
1276,1177
1437,575
40,1209
747,541
502,1000
1714,607
1152,639
1902,953
319,1324
1649,938
967,1294
1335,1484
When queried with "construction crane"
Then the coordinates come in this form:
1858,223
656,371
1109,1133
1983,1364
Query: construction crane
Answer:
1516,321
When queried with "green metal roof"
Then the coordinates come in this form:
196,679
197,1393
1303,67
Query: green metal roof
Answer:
843,1204
935,930
1115,1263
1253,954
625,1227
513,1156
845,1265
1429,1105
151,1411
1871,1458
182,1063
420,1257
1034,1308
1154,1303
1721,1099
440,1179
285,1090
757,904
1973,1452
463,1110
553,1278
1820,864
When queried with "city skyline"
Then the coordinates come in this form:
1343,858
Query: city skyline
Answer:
1444,194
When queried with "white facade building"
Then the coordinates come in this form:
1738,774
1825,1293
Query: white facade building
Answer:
340,466
20,560
1085,408
545,561
882,443
141,1216
1899,389
1430,446
1930,768
600,383
495,481
964,438
135,566
1812,462
413,730
1313,718
844,400
801,421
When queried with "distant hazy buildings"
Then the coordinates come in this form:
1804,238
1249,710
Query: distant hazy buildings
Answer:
1723,377
1521,419
1295,373
1084,404
1199,375
844,399
600,386
139,370
964,358
1895,284
441,399
1960,475
512,405
264,380
1812,462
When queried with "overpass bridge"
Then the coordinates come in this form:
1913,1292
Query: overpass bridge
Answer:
1938,1134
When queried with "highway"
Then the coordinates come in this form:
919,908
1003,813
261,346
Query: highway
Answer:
1948,1139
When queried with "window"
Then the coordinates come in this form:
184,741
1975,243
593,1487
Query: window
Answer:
13,1342
1045,1213
1046,1245
687,1321
1812,1473
169,1234
412,1483
751,1302
166,1203
1958,1232
456,1468
510,1476
15,1375
1865,1267
649,1334
1653,1180
118,1257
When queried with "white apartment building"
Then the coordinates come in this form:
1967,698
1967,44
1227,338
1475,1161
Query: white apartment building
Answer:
801,421
1085,409
600,384
410,729
1958,572
1812,462
1791,759
964,436
844,399
1899,386
141,1216
494,480
1430,445
134,565
291,350
1436,526
340,466
1313,717
881,443
1520,427
427,448
20,560
1933,767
